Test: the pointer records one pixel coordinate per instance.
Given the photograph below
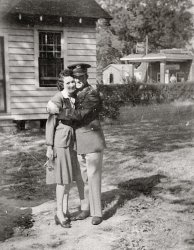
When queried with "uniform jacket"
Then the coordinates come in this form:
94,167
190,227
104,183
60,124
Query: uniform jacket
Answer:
89,134
59,134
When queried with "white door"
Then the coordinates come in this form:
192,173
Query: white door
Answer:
2,77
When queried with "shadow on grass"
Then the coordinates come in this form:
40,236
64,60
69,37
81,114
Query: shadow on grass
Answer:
189,241
26,180
162,128
183,193
128,190
24,183
12,219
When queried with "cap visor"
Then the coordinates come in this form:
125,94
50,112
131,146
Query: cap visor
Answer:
79,74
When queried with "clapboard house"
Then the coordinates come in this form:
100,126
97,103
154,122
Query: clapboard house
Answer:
38,38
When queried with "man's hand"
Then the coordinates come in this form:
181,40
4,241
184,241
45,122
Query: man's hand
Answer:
49,152
52,108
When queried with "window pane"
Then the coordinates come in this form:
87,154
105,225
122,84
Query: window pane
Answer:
50,38
50,55
58,48
58,39
42,55
58,54
49,48
49,70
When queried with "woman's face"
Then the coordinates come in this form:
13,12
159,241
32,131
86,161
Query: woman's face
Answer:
69,84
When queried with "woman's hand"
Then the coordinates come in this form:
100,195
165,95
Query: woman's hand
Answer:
49,152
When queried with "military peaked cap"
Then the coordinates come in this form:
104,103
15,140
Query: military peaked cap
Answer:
79,69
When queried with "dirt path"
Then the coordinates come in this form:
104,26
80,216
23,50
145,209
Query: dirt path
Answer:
148,191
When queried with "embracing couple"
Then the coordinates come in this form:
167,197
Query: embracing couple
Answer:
75,144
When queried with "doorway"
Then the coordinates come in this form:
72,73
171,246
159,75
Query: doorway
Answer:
2,77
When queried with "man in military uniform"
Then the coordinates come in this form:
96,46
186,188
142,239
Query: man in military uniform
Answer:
90,142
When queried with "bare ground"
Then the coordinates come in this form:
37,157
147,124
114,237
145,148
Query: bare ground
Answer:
147,187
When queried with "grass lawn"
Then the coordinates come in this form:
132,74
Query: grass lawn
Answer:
147,187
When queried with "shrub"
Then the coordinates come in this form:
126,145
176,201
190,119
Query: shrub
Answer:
134,93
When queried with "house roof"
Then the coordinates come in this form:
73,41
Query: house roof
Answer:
173,55
6,5
119,67
65,8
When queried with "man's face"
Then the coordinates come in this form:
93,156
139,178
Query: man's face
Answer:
80,81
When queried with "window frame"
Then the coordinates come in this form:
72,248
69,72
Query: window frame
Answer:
37,29
46,61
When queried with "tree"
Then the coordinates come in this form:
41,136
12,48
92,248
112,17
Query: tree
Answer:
167,23
108,46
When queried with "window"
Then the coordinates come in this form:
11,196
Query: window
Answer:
180,76
50,61
111,78
158,77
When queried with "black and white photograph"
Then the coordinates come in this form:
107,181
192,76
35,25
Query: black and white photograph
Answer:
97,124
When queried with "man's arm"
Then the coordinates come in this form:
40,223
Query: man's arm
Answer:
50,130
90,105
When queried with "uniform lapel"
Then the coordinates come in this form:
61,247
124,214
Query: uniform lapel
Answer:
82,94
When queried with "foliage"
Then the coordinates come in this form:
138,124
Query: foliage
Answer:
133,93
167,23
108,49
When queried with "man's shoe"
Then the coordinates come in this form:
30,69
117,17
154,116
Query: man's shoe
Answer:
96,220
68,216
81,216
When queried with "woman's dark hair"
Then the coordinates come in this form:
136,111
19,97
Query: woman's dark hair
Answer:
62,74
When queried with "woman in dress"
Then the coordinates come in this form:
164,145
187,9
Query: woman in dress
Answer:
60,145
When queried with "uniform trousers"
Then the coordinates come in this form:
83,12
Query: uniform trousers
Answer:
91,171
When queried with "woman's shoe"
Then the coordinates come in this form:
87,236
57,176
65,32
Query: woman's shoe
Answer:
65,224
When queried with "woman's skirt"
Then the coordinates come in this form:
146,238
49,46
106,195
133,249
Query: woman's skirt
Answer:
63,168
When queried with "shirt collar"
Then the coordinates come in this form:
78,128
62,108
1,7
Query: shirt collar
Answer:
66,96
64,93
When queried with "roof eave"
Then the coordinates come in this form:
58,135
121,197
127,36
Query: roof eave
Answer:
54,15
147,58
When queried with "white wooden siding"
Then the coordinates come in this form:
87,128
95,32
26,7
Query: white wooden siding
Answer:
19,57
21,63
118,74
14,82
27,111
33,93
27,100
15,38
81,47
21,75
25,45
